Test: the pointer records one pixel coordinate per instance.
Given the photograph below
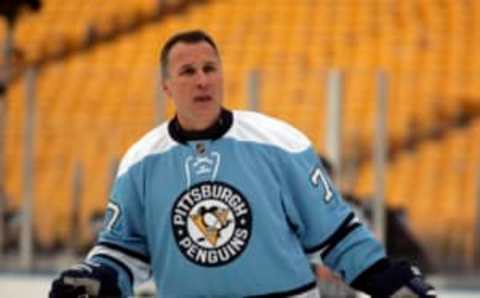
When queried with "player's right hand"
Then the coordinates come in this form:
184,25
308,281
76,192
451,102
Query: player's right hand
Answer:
86,280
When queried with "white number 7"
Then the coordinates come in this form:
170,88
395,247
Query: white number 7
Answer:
317,177
115,214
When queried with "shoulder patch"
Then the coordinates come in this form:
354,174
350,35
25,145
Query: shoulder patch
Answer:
154,142
260,128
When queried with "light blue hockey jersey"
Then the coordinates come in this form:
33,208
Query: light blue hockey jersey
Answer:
234,211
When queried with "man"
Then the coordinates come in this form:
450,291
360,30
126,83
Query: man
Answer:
219,203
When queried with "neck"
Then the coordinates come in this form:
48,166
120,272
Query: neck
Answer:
216,130
199,124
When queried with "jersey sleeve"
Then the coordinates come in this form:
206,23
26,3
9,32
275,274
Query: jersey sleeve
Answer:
122,242
323,222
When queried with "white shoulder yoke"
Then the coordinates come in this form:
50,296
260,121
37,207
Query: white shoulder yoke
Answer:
256,127
156,141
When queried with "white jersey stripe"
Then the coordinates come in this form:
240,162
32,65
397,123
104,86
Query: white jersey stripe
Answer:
259,128
247,126
156,141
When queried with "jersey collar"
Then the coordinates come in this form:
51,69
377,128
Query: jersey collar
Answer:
216,131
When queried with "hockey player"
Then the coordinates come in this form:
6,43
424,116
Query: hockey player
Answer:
220,203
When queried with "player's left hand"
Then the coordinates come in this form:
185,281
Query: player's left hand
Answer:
388,278
416,286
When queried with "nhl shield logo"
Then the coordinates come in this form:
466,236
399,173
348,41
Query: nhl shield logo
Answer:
211,223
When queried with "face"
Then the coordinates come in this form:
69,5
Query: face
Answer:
195,84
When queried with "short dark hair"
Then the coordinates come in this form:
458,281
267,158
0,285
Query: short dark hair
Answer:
194,36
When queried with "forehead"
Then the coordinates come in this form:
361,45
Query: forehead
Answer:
187,53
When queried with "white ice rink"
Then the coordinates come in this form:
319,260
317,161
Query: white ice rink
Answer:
37,286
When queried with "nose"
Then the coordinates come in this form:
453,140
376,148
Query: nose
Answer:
202,80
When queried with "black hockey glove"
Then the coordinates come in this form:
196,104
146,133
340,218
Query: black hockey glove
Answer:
86,281
385,278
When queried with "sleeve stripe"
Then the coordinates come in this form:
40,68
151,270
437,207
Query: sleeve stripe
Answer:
128,252
118,263
336,237
140,270
339,237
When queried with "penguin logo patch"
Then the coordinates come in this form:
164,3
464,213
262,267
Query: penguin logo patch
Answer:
211,223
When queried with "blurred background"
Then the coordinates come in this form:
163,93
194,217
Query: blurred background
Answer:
388,90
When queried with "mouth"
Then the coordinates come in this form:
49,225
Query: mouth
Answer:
202,98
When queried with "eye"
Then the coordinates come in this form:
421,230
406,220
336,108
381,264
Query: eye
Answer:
209,68
187,71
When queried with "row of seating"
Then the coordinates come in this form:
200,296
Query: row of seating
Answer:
437,184
92,105
61,26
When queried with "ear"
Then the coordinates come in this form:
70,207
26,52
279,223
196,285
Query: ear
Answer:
166,88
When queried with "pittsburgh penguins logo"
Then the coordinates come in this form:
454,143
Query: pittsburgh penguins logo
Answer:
211,223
